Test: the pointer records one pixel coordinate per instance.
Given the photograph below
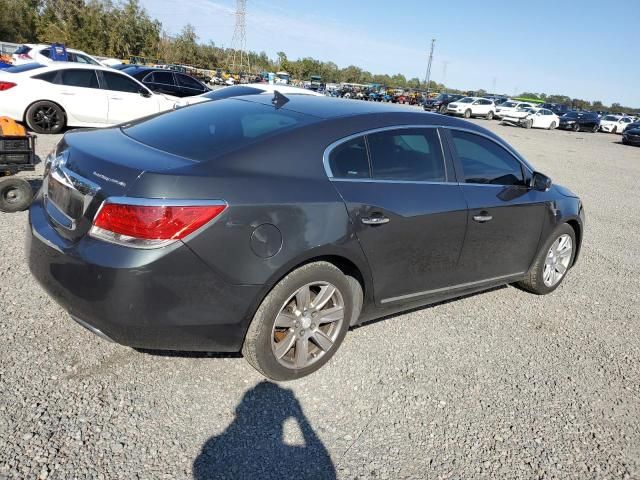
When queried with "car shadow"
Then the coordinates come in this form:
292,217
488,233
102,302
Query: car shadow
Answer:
253,445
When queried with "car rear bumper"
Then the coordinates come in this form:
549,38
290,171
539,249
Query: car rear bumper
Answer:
157,299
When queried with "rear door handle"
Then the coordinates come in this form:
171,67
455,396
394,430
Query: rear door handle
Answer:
483,217
378,220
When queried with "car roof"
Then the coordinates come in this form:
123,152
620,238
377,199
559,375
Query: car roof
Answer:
65,65
45,45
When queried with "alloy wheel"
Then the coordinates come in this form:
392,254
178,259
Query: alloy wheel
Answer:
307,325
46,118
557,262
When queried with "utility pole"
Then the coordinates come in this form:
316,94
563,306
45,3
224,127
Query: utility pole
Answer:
238,59
493,87
445,64
428,75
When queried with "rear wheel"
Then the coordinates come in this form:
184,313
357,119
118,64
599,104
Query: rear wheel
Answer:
552,126
576,127
490,115
553,261
45,117
467,113
300,323
15,194
443,109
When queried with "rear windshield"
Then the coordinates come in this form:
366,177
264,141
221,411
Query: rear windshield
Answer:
509,104
232,91
611,118
206,130
21,50
23,68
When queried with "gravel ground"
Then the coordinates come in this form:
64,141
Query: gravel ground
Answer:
502,384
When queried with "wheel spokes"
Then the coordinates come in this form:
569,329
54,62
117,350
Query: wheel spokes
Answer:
302,352
325,294
285,320
322,340
303,298
330,315
283,346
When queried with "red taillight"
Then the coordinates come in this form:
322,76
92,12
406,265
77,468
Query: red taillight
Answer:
6,86
150,226
24,56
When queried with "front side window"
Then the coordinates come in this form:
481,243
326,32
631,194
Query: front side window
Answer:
120,83
188,82
79,78
485,162
349,160
407,155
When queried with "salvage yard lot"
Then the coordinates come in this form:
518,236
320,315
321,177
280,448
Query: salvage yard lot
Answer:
500,384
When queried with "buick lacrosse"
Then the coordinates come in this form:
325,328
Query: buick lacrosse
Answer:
271,224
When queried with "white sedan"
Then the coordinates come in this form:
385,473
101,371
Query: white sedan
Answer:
472,107
532,118
246,89
614,123
511,106
49,98
41,53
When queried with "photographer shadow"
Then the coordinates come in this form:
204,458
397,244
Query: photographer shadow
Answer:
253,447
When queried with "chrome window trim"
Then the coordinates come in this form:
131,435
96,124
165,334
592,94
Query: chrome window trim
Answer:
364,133
162,202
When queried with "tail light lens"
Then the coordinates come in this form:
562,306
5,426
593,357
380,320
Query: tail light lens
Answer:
145,224
6,86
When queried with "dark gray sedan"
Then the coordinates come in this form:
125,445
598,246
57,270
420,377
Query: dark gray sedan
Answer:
271,225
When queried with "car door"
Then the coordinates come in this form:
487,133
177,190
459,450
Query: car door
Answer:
505,216
80,95
624,123
408,212
189,86
479,107
128,99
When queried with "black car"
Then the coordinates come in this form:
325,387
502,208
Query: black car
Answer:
631,135
439,104
558,108
271,225
167,81
580,121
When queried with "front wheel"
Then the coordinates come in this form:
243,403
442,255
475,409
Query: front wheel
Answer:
576,127
528,123
301,323
595,128
614,130
467,113
552,263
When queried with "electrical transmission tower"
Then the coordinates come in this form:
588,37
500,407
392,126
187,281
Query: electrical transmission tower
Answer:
427,77
238,59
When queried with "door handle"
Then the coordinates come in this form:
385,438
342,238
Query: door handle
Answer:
379,220
68,93
115,98
483,217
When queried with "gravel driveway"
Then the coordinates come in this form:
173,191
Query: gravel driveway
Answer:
502,384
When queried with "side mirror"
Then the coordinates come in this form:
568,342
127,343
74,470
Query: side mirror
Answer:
540,182
144,93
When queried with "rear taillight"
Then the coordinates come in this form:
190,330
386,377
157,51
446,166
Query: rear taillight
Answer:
6,86
151,223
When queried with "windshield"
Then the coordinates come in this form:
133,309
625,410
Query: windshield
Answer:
509,104
611,118
466,100
571,115
210,129
23,68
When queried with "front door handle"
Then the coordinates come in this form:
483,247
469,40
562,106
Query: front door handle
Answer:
483,217
377,220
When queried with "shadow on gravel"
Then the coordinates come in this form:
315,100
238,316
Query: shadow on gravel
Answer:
253,447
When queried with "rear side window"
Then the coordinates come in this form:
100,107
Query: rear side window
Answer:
166,78
47,76
349,160
79,78
22,50
120,83
484,161
210,129
407,155
233,91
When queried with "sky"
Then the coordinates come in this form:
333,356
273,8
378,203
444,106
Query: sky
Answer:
584,49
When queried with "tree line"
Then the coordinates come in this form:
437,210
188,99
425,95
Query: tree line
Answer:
125,29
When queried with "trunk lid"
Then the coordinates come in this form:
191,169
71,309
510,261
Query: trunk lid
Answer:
90,166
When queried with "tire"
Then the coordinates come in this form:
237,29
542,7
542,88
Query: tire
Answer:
614,130
15,194
552,126
576,127
467,113
443,109
264,338
45,117
595,129
534,282
528,124
489,115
